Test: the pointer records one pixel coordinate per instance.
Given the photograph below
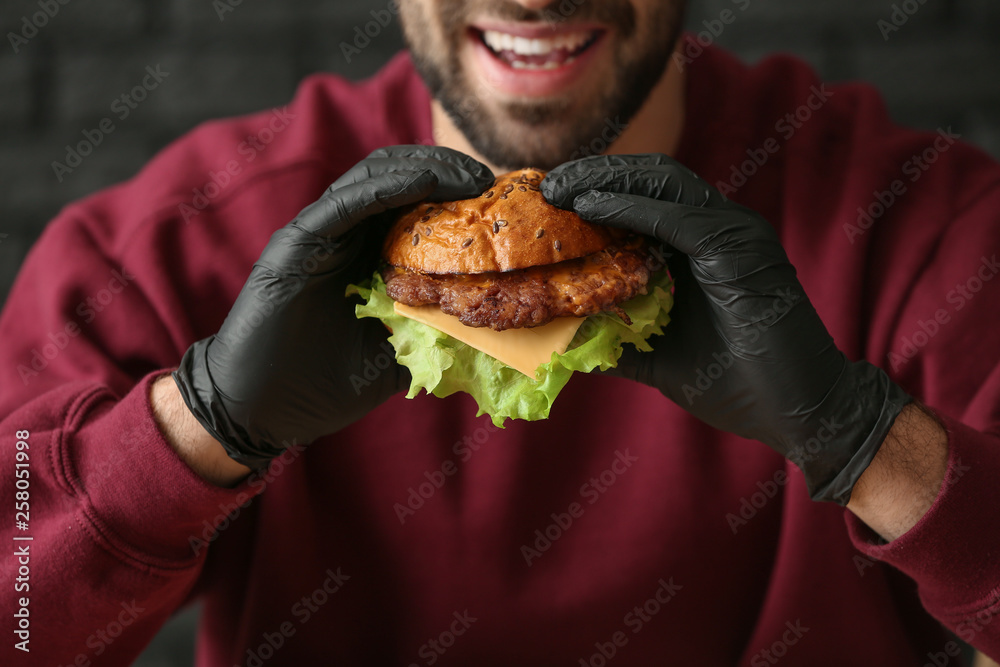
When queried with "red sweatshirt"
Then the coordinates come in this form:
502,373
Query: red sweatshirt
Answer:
620,531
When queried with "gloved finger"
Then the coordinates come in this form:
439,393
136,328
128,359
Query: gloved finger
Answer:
662,178
340,209
459,176
453,181
593,162
479,171
686,228
696,232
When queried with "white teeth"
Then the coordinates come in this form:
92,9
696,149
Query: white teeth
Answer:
501,41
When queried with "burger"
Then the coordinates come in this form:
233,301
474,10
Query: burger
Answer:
504,296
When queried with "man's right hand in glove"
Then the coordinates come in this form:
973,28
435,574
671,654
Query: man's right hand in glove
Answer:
279,370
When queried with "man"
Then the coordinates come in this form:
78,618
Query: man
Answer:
627,527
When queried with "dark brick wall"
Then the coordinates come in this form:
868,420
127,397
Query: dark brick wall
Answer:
65,79
939,68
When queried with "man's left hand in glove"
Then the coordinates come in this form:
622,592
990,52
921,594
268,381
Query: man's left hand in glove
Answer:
738,299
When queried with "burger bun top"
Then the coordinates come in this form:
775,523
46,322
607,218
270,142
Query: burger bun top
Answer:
510,226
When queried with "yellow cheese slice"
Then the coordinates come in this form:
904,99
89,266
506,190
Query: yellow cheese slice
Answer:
523,349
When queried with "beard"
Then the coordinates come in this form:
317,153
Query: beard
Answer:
543,133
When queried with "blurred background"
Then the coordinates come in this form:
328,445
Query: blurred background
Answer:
60,75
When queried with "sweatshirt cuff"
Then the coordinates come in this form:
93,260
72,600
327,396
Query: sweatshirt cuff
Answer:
952,550
143,499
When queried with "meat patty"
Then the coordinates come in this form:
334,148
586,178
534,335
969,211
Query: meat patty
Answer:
528,297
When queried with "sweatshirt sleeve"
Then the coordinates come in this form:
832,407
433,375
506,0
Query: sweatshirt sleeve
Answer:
953,552
945,352
111,528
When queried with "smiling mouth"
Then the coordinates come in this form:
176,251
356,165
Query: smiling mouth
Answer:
545,53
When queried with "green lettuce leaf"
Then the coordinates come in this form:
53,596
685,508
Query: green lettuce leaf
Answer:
442,365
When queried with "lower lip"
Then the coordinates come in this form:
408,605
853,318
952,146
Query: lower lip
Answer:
531,82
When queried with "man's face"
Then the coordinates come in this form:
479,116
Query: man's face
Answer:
531,87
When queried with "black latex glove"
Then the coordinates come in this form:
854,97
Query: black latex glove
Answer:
289,363
745,350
